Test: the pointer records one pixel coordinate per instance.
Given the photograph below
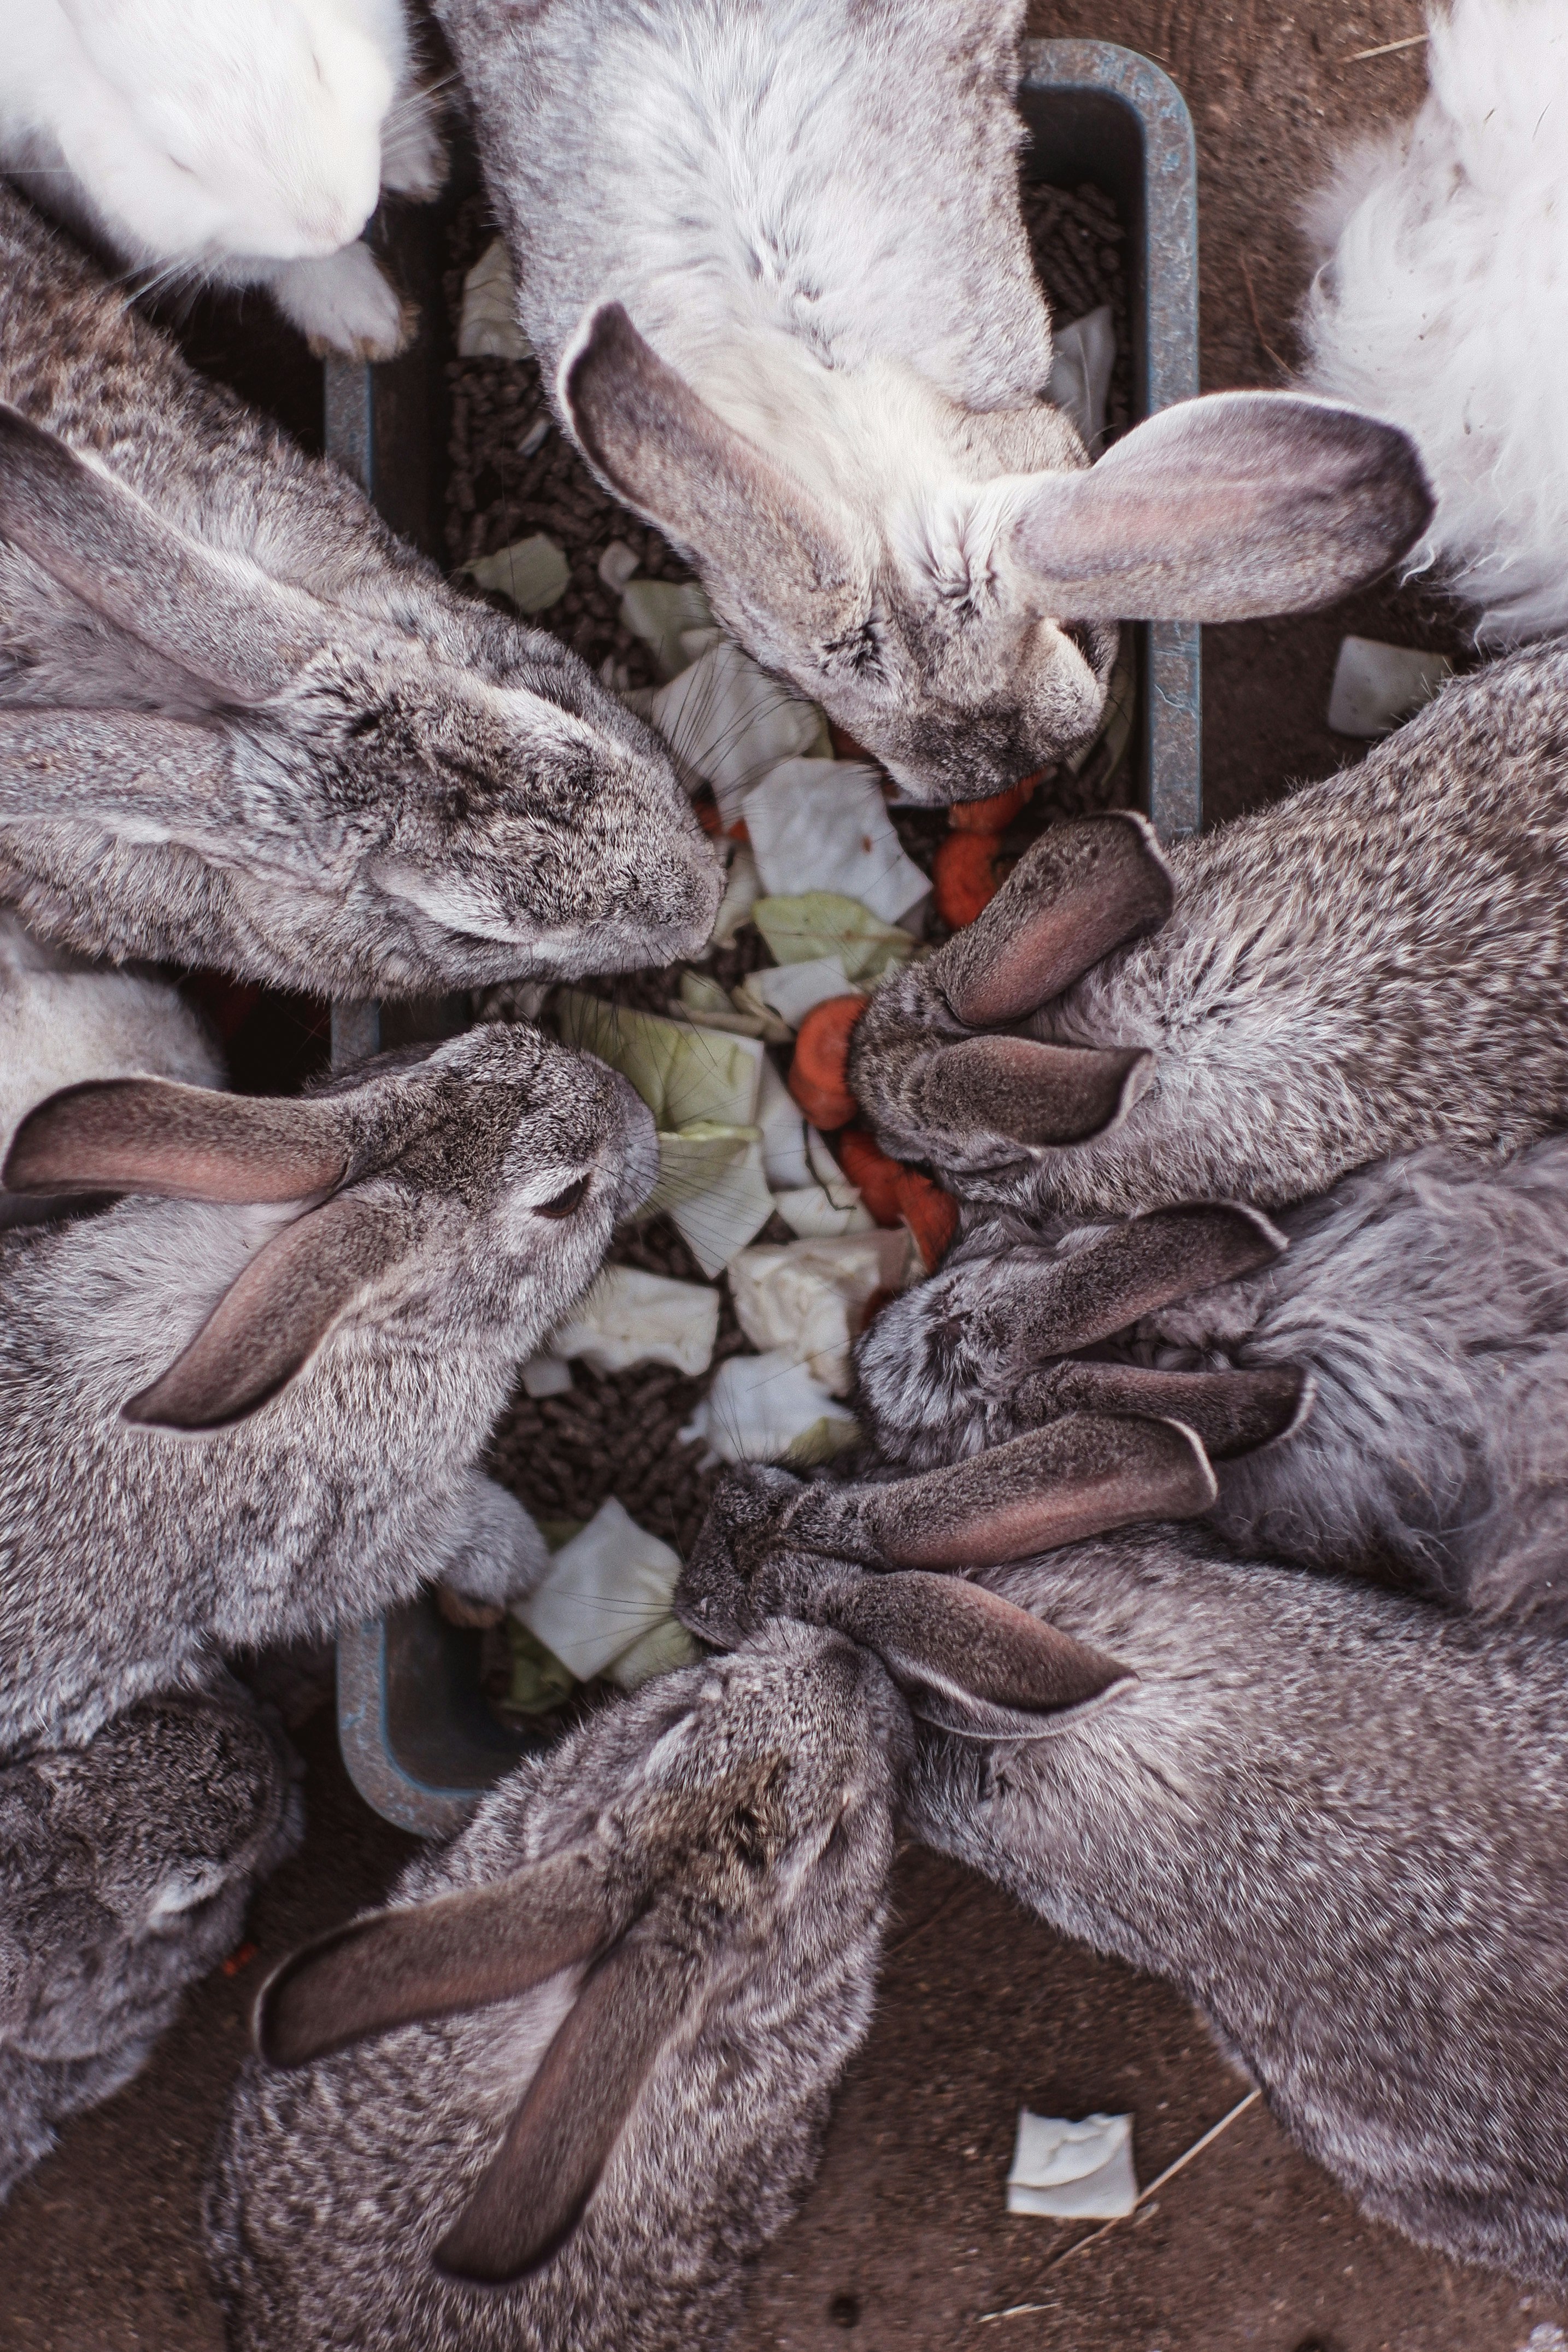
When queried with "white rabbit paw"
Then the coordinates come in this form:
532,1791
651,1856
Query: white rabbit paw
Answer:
497,1555
344,305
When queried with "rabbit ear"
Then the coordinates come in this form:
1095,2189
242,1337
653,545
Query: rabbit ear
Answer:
218,617
533,2194
185,1143
979,1658
1081,1475
457,1953
1036,1094
1241,504
1075,1299
670,456
1229,1412
1086,887
269,1323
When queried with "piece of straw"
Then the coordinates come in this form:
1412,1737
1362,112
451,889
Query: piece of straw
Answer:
1019,2310
1387,48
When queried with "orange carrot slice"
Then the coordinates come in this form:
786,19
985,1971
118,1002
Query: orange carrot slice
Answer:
931,1214
873,1173
966,877
818,1074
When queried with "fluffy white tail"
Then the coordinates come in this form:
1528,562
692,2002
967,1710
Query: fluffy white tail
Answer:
1442,303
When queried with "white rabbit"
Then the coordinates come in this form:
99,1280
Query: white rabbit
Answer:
63,1019
240,142
772,256
1443,303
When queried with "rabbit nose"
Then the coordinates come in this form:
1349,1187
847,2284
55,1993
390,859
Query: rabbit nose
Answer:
640,1145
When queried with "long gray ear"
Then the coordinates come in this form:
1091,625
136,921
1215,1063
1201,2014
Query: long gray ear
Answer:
665,452
1086,887
442,1959
218,617
1082,1476
533,2194
1241,504
185,1143
979,1664
269,1323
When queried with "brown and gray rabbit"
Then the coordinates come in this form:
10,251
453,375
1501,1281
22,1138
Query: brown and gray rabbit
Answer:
242,725
125,1870
253,1409
772,258
1334,1817
1377,962
1407,1354
587,2056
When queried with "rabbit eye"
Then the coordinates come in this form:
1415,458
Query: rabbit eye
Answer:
563,1204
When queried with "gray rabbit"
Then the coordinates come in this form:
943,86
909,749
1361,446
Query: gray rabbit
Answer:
1375,963
586,2058
252,1408
1337,1819
125,1869
771,256
241,725
1399,1374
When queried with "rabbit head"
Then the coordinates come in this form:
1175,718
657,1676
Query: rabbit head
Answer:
640,1969
868,1561
462,1196
960,622
128,1863
250,130
438,819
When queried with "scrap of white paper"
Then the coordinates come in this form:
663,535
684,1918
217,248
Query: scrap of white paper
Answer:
1074,2171
631,1318
603,1592
487,324
1377,686
823,825
1081,365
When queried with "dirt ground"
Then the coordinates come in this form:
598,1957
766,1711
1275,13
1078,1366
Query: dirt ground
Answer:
905,2241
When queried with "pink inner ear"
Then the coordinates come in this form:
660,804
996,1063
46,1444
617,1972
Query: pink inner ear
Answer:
181,1142
1079,1476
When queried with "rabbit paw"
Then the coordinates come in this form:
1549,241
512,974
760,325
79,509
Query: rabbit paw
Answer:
988,1348
497,1555
414,152
943,1061
344,305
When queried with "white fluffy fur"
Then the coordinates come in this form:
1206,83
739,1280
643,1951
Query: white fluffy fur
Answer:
63,1020
240,140
1443,303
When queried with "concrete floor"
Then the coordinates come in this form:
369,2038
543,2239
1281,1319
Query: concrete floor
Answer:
905,2241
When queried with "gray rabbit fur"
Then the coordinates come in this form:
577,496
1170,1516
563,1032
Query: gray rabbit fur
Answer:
125,1870
1334,1817
1375,963
1419,1315
255,1409
772,256
242,725
614,2032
